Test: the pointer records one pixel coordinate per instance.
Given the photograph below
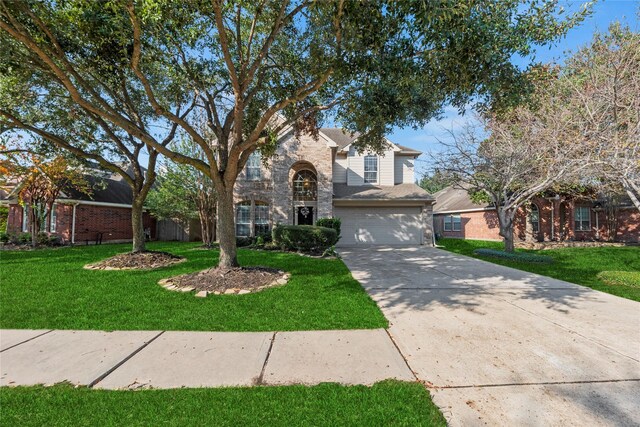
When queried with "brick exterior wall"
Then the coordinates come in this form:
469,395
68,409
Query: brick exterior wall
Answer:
114,222
481,225
556,223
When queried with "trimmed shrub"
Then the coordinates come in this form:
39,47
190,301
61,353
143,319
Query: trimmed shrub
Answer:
23,238
334,223
4,237
304,238
243,241
514,256
617,278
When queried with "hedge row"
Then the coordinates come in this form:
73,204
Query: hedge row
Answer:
514,256
305,238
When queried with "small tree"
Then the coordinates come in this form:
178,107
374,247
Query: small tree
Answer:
40,182
527,151
436,180
184,193
603,81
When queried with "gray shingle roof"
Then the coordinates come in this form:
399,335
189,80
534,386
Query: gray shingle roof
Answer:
392,192
343,138
455,199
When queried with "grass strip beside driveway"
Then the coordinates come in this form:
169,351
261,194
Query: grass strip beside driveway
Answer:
388,403
49,289
583,266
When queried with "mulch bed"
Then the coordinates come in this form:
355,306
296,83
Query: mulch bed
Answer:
241,280
136,261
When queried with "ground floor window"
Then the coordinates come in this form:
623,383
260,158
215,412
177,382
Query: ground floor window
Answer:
25,218
243,219
452,223
534,217
53,219
261,219
582,218
252,216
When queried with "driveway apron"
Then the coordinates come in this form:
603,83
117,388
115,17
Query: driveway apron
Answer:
499,346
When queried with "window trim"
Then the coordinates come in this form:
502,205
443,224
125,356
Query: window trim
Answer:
449,220
581,221
376,171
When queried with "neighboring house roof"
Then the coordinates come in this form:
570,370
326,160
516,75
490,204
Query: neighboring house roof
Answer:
106,189
344,138
456,199
392,192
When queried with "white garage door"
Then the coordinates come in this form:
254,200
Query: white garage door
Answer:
380,226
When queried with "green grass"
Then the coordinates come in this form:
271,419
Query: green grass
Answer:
583,266
49,289
388,403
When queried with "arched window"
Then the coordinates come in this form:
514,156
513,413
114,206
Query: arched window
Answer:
243,219
534,217
305,186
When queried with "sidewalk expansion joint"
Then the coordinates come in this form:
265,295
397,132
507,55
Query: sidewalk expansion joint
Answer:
536,383
260,379
30,339
401,355
123,361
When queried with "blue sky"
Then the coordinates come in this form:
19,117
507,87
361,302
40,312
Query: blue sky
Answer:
604,13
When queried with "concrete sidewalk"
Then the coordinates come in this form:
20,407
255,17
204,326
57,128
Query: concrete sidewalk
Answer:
159,359
499,346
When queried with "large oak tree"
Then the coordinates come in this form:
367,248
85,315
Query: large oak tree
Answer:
258,68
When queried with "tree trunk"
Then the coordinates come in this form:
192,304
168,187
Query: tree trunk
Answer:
505,220
227,229
139,244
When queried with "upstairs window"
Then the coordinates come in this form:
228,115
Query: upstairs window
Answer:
243,219
371,169
452,223
582,218
253,166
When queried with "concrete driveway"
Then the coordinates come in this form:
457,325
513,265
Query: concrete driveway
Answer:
499,346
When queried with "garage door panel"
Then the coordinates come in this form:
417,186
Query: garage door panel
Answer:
382,226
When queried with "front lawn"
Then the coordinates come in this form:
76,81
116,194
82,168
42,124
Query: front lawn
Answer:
49,289
584,266
387,403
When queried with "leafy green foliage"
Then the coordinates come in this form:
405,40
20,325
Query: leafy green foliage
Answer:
304,238
334,223
321,293
384,403
436,181
4,217
514,256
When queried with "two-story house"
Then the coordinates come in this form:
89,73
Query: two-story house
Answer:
374,195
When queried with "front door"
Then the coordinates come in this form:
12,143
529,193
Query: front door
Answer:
305,215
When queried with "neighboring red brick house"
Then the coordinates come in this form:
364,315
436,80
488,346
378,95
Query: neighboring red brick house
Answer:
546,219
79,219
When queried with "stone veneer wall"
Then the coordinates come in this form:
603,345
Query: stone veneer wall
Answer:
275,186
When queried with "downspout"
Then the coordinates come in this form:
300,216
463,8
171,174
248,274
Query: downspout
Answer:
73,224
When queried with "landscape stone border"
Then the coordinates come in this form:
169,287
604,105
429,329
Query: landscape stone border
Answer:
168,284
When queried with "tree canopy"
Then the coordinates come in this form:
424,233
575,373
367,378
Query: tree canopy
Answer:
256,68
